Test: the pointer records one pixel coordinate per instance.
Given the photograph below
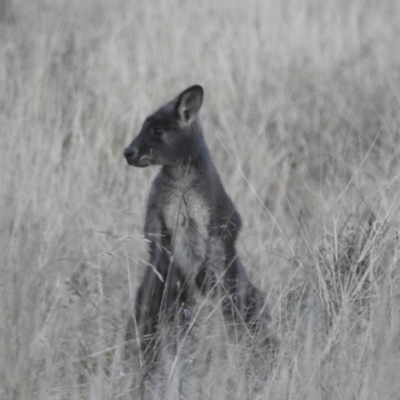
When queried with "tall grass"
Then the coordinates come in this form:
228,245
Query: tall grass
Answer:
302,117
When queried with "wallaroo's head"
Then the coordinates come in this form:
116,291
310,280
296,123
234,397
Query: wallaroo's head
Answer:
168,136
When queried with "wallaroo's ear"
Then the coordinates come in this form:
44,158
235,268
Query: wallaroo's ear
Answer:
189,102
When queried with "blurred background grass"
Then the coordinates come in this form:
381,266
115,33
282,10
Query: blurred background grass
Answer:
301,113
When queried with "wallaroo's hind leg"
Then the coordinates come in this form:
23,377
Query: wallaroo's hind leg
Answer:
256,314
159,299
142,325
206,279
245,303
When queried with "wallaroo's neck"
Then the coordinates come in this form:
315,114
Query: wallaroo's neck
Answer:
195,164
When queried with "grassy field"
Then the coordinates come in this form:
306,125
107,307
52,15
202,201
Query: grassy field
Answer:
302,116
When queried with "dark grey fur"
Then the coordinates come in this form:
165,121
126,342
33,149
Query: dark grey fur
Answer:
191,223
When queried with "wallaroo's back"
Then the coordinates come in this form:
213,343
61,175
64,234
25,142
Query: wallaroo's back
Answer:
191,224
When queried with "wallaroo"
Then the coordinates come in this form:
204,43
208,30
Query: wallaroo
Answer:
191,225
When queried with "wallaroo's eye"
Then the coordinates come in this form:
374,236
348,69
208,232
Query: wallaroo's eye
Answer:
157,131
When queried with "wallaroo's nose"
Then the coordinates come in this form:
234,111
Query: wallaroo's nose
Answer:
129,152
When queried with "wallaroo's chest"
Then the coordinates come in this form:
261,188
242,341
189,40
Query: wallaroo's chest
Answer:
185,208
184,211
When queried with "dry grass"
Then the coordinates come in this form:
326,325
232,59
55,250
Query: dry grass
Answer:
302,116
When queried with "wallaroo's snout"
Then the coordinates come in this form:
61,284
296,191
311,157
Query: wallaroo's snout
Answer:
136,157
129,152
132,156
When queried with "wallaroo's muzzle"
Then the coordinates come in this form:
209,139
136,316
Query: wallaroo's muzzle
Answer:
130,152
131,155
133,158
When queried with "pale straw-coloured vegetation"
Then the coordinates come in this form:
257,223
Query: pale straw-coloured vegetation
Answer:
302,115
